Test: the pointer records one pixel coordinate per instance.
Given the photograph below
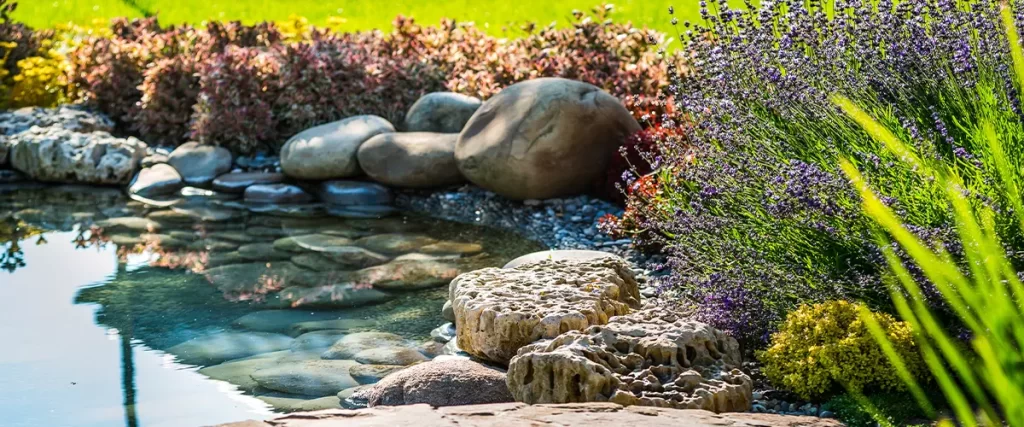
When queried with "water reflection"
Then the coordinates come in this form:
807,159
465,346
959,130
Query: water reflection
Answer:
234,292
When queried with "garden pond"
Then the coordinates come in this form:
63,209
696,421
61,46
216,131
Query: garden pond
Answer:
202,310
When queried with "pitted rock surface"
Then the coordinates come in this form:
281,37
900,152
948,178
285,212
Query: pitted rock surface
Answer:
56,154
648,358
497,311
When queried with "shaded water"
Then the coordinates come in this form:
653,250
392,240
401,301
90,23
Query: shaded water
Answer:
111,308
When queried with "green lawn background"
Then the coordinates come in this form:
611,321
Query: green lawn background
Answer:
495,17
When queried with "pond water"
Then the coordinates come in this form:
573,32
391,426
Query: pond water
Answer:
117,312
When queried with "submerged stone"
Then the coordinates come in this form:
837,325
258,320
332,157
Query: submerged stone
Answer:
308,377
220,347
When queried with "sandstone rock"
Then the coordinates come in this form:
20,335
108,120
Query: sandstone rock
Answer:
199,164
444,112
308,377
649,358
520,414
391,355
282,194
345,325
411,160
58,155
329,151
347,347
371,374
563,254
395,243
238,182
354,193
497,311
158,180
543,138
220,347
332,296
447,383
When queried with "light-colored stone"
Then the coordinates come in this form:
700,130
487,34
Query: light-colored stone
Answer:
340,257
452,248
445,112
543,138
497,310
391,355
521,414
308,377
407,275
317,340
329,151
57,155
395,243
239,372
220,347
650,358
561,254
310,242
446,383
371,374
411,160
129,224
158,180
448,311
332,296
345,325
283,321
285,402
199,164
347,347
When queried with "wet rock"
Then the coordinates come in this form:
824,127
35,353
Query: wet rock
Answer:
239,372
392,355
317,340
58,155
329,151
332,296
209,245
407,275
443,333
497,311
199,164
346,325
220,259
130,224
233,236
193,214
238,182
395,243
308,377
347,347
445,112
310,242
371,374
276,193
340,257
543,138
245,281
127,240
448,311
354,193
452,248
283,321
220,347
266,232
163,241
153,160
8,176
262,252
156,181
566,254
411,160
286,402
446,383
361,212
649,358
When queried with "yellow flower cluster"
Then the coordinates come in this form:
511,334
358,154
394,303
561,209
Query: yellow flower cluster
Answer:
824,347
40,81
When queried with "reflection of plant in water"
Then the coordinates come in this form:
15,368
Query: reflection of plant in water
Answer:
12,233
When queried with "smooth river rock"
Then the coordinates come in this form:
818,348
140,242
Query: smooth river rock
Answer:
217,348
441,383
199,164
329,151
159,180
411,160
543,138
350,345
391,355
308,377
354,193
282,194
238,182
444,112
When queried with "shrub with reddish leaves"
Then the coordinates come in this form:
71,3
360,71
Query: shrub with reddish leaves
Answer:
169,91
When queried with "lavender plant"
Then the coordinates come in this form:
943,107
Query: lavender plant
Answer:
754,213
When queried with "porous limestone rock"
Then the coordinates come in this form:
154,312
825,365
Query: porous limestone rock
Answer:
651,358
497,311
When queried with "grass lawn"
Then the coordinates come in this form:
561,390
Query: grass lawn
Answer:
358,15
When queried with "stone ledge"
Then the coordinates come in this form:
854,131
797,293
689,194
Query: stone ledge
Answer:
519,414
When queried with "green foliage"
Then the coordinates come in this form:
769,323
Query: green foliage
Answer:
984,291
822,347
877,409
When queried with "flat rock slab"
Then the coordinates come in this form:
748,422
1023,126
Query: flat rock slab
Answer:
520,414
566,254
238,182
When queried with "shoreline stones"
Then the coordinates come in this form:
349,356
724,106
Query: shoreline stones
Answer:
329,151
497,311
649,358
159,180
224,346
411,160
443,112
238,182
441,383
354,193
281,194
199,164
543,138
55,154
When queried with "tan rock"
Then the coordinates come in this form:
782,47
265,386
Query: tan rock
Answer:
329,151
497,311
391,355
447,383
543,138
347,347
441,112
411,160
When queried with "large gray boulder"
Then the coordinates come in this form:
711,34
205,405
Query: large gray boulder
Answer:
55,154
199,164
543,138
329,151
159,180
413,160
444,112
441,383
